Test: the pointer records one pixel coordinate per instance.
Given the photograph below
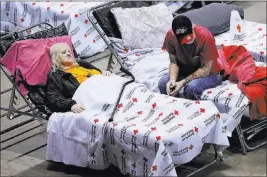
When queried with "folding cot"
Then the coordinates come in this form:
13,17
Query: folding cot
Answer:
102,19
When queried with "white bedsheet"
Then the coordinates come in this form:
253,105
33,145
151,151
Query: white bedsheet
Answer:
151,133
16,16
255,40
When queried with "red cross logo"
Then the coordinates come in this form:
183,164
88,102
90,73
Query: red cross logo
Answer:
120,105
218,115
114,125
86,21
202,110
135,132
209,92
197,102
134,100
139,112
161,114
158,138
154,168
96,120
22,19
230,94
196,129
153,128
238,28
154,105
126,50
176,112
191,147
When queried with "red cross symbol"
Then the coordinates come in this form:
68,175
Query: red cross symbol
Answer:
120,105
134,99
158,138
197,102
202,110
153,128
180,125
114,125
176,112
22,19
161,114
238,28
76,15
218,115
135,132
196,129
191,147
96,120
139,112
154,105
209,92
86,21
126,50
154,168
230,94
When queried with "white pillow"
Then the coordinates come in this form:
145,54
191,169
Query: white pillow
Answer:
143,27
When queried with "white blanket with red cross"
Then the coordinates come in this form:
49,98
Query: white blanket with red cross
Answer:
150,134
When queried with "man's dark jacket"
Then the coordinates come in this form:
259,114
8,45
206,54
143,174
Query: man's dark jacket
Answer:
61,87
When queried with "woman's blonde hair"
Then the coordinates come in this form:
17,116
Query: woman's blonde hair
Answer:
53,54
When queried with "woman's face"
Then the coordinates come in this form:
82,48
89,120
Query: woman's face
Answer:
64,56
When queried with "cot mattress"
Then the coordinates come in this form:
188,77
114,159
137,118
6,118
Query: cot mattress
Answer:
254,41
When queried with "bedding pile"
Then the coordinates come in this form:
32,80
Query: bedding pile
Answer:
254,40
150,135
16,16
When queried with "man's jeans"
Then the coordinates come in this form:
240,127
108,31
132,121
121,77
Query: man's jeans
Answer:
194,89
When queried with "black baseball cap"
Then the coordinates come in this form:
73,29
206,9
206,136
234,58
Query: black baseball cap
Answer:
182,27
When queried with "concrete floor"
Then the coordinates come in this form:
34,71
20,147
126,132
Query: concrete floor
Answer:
15,162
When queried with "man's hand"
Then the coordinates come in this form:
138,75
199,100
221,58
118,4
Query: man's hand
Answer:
170,86
106,73
178,87
77,108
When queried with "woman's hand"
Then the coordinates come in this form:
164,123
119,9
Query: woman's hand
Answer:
106,73
77,108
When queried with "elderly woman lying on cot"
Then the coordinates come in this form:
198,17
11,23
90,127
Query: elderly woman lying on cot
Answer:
65,77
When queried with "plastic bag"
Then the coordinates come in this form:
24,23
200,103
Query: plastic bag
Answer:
237,27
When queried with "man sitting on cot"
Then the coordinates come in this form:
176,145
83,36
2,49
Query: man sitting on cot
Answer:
65,78
193,60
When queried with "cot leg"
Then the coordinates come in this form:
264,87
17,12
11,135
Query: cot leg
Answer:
241,139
